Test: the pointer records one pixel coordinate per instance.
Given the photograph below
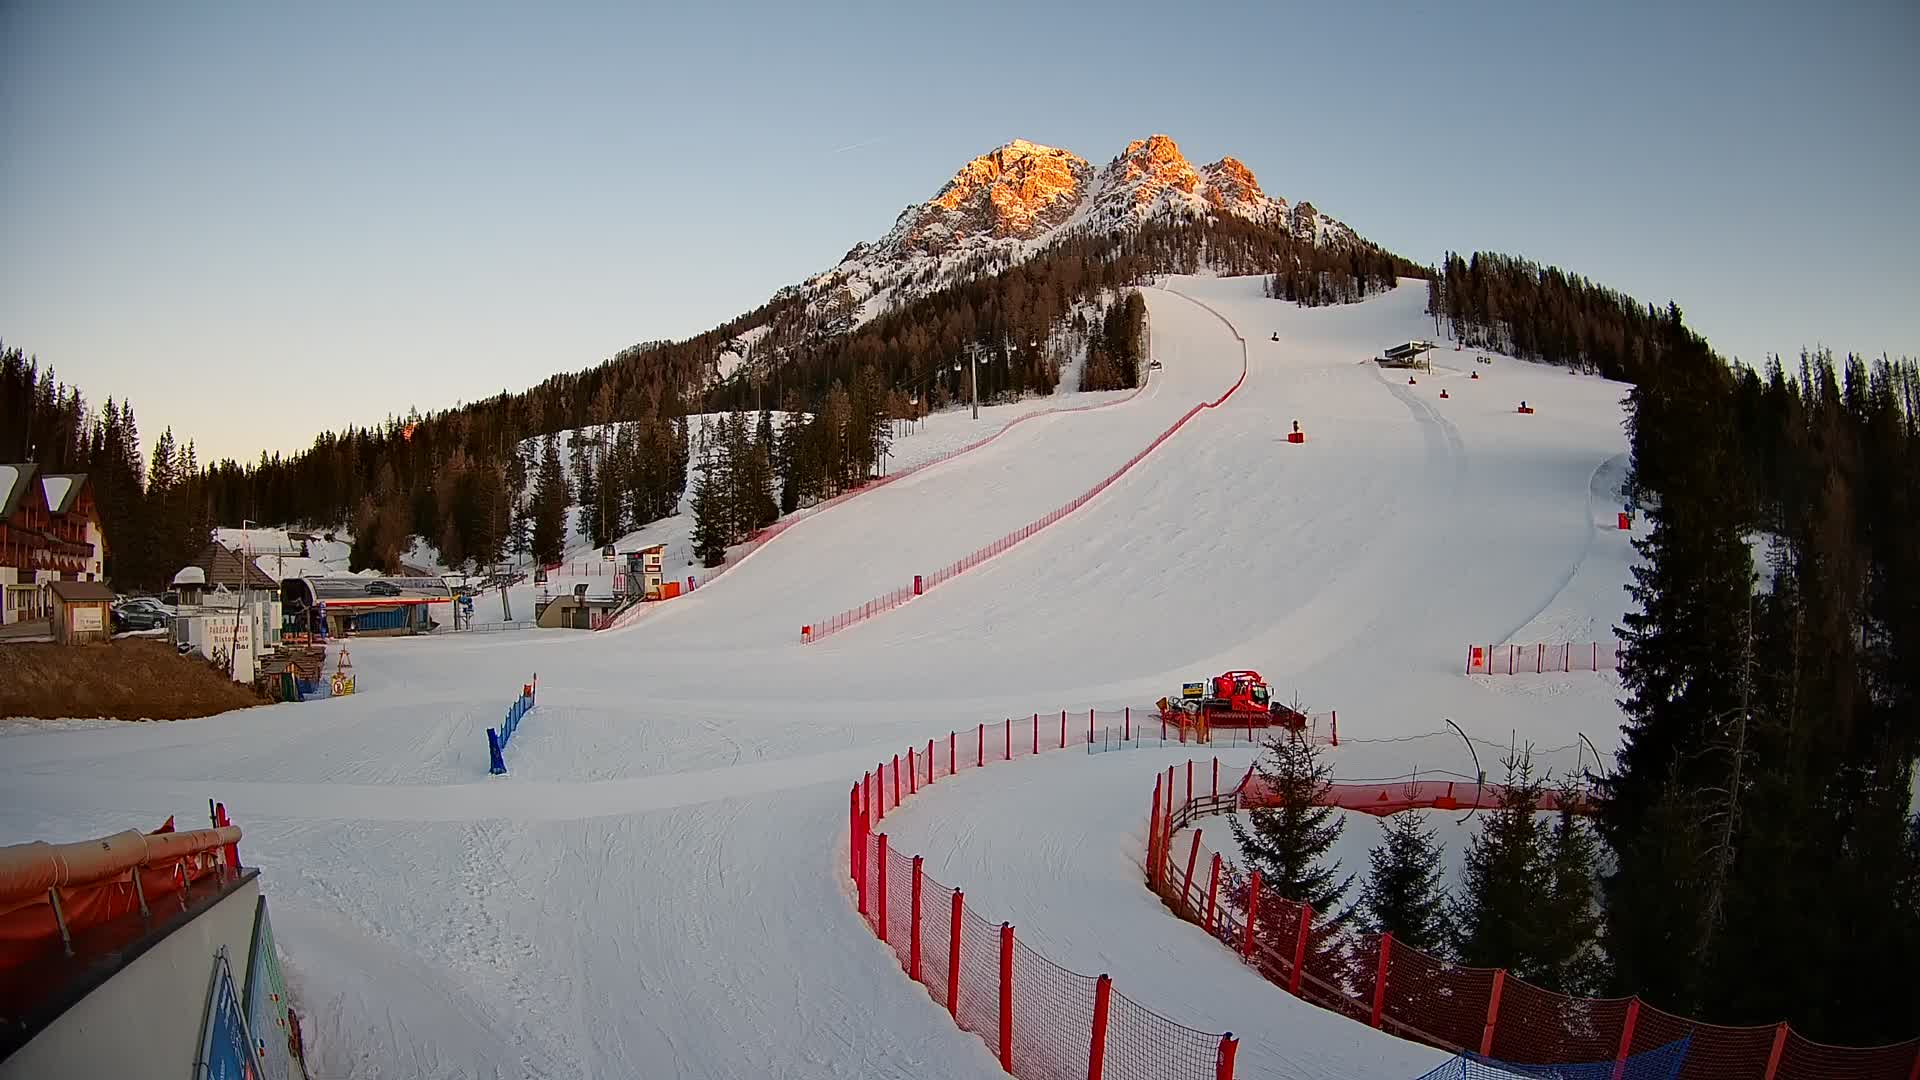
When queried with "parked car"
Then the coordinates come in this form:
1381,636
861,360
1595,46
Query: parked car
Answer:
148,603
139,617
383,588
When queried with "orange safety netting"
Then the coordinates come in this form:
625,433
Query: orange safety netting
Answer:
1476,1010
1040,1020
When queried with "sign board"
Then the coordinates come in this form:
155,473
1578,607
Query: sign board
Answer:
266,1001
1477,660
86,618
226,1051
1193,690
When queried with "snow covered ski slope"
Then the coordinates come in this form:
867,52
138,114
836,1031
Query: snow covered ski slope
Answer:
654,889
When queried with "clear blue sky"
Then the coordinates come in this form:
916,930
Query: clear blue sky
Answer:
260,220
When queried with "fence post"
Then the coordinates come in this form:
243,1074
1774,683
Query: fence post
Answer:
1216,777
1300,949
1626,1033
1213,891
856,845
1097,1052
1336,727
495,764
1189,799
1253,912
1493,1018
913,774
896,779
1229,1046
980,752
1153,836
866,793
913,950
953,953
1009,756
953,759
1193,859
1126,729
929,761
1779,1047
881,915
1089,724
1063,729
1006,996
1036,733
1380,977
880,791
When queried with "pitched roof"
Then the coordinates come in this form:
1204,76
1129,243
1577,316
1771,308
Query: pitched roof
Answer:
15,481
70,591
62,490
225,566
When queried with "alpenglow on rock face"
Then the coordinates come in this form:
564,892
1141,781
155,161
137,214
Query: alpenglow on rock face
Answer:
1008,205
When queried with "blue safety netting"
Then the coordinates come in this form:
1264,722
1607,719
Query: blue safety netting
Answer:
1661,1063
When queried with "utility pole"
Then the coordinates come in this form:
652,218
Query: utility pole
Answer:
973,354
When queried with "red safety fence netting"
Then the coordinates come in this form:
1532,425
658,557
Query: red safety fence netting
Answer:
860,613
1039,1020
1477,1010
1540,658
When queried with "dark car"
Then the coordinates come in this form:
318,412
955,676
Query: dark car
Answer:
383,588
139,617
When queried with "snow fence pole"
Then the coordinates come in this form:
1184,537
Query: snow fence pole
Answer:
1216,777
1380,977
1779,1047
896,779
1229,1046
854,845
1153,836
980,751
1063,730
1213,891
929,762
1189,799
1009,752
1097,1050
1493,1016
1193,859
880,791
1626,1037
1253,912
913,774
1300,949
953,759
1036,733
954,920
881,915
913,952
1006,1000
496,765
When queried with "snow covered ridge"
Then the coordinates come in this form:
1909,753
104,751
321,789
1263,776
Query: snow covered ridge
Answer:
1007,205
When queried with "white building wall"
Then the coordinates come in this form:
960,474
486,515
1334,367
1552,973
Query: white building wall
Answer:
145,1020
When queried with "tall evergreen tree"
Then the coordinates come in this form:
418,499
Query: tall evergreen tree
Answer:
550,501
1403,894
1570,957
709,514
1290,841
1496,915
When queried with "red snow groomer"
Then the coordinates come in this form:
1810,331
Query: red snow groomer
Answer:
1233,699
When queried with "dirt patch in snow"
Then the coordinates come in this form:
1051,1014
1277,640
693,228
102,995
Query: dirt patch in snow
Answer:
130,679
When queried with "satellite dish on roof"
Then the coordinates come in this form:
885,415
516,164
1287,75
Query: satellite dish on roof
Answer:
190,575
